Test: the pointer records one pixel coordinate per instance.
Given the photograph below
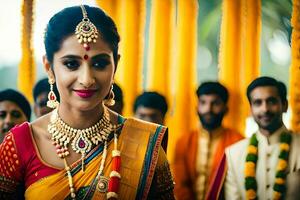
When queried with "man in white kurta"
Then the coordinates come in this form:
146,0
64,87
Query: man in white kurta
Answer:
267,99
268,151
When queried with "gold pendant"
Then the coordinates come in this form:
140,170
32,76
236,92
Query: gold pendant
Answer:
81,143
102,185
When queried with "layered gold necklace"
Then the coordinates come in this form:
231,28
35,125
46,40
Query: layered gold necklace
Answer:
82,140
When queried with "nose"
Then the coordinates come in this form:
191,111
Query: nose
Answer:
86,76
264,107
207,108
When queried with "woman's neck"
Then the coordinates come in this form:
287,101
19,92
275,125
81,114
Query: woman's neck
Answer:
80,119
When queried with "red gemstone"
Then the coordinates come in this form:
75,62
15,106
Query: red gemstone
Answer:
85,57
87,48
52,97
81,143
86,27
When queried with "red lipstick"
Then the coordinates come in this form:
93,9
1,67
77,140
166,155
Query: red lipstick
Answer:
85,93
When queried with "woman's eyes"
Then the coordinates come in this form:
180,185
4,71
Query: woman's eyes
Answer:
100,63
71,64
97,64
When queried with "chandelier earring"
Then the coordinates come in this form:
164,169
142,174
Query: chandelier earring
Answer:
52,99
110,100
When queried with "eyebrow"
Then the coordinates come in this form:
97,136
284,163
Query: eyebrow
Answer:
71,56
101,55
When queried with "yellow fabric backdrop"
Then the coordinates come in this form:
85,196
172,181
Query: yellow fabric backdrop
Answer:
27,69
184,117
239,58
171,57
160,46
295,68
129,16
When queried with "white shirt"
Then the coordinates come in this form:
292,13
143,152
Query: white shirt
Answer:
268,152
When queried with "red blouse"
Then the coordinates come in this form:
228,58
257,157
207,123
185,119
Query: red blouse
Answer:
19,160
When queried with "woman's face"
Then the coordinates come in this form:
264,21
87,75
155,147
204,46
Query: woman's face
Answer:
83,78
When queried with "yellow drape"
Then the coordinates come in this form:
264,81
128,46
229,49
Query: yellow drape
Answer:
130,21
295,68
185,118
160,46
111,7
26,72
239,55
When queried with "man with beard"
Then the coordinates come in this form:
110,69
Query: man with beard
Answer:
14,109
198,153
267,165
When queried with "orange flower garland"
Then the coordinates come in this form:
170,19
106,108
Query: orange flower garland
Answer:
250,167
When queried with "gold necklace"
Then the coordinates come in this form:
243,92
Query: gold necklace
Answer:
81,140
100,172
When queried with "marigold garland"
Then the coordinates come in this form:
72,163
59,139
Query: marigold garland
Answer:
250,167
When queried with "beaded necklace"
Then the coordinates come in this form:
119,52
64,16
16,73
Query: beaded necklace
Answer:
280,176
62,134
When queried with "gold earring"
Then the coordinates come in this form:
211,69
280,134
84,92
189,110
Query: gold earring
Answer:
110,100
52,100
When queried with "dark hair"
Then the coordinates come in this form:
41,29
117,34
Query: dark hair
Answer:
118,93
43,86
17,98
151,100
268,81
212,87
63,24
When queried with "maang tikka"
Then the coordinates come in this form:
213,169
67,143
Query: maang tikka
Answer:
52,99
86,31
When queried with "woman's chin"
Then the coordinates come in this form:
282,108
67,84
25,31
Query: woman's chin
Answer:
88,106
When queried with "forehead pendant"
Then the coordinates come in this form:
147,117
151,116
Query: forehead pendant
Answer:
86,32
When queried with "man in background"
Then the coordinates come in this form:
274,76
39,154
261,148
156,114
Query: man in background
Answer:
197,154
267,165
151,107
14,109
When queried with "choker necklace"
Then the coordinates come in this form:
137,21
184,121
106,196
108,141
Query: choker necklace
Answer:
279,187
81,140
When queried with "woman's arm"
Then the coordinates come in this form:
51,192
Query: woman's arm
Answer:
10,176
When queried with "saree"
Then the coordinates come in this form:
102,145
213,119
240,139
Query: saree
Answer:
144,172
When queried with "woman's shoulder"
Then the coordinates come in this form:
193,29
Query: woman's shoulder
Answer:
39,127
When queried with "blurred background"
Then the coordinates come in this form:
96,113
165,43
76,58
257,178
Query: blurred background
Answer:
170,46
